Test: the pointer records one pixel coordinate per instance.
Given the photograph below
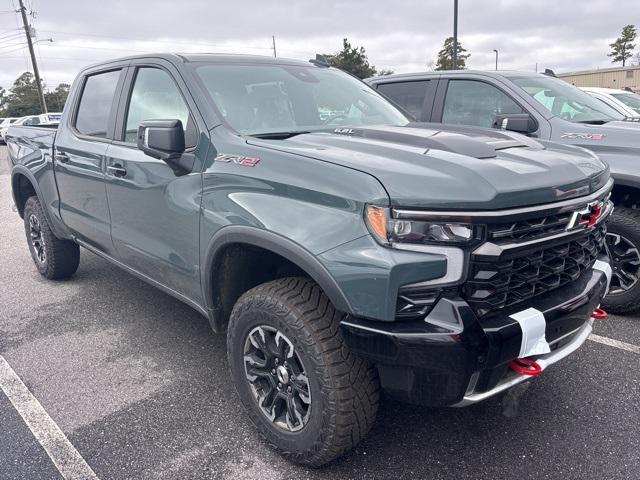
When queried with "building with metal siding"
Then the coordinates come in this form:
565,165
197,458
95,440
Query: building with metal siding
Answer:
606,78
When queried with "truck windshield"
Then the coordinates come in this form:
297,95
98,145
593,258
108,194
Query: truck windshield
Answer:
289,99
567,101
631,100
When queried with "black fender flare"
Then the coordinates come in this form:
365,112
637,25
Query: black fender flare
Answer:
56,226
283,246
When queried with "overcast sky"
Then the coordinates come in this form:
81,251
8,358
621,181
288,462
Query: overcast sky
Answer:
403,35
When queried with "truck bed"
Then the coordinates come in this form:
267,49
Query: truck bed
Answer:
29,143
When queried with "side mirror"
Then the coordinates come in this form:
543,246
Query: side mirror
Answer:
161,139
164,140
515,122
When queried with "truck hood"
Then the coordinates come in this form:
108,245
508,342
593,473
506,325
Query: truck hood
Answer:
452,167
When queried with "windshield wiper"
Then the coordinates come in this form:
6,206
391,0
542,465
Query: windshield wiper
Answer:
279,135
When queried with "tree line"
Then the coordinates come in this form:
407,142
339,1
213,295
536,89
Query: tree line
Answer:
354,59
22,98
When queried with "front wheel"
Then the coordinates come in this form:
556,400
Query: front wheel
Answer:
623,244
306,393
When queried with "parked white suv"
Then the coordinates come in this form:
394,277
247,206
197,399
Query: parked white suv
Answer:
52,118
625,102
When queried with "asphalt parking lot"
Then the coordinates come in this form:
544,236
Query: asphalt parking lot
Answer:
139,386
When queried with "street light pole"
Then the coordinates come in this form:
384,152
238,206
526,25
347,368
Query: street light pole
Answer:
36,73
454,54
496,58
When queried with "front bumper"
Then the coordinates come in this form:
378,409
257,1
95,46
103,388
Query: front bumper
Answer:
452,357
577,339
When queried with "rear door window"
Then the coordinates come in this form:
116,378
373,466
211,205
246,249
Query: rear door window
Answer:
92,117
409,95
476,103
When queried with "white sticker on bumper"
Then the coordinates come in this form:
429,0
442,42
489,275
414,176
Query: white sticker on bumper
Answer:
533,325
605,268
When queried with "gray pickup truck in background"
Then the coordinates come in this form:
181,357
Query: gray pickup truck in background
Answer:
543,107
343,248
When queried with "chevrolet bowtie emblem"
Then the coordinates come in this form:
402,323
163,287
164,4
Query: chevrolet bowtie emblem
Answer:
586,217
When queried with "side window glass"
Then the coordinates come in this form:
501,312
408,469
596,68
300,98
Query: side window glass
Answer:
155,96
471,102
546,101
409,95
92,117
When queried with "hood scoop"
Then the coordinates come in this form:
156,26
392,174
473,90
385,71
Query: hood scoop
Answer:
471,141
423,138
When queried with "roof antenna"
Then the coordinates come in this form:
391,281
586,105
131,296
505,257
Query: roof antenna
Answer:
320,61
549,73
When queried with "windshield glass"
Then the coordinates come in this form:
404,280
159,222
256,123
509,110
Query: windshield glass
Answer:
631,100
259,99
567,101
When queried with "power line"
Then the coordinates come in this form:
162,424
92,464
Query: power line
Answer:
61,59
2,54
12,45
139,39
3,37
3,41
15,18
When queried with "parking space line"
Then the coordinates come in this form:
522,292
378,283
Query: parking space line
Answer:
615,343
63,454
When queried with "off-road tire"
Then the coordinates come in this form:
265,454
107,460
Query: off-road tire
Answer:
61,257
344,388
624,222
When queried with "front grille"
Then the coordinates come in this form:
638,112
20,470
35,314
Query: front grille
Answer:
495,285
530,229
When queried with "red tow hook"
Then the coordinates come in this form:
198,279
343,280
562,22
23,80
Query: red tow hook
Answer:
599,314
526,366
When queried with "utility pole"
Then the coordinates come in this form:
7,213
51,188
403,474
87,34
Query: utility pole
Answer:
27,31
454,54
496,58
273,37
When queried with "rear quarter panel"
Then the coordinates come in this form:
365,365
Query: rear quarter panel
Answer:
31,154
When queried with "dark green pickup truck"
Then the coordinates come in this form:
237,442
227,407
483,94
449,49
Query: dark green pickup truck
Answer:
344,249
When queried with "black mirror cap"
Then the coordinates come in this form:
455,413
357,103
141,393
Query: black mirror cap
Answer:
161,139
516,122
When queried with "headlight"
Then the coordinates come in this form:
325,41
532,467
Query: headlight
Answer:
388,230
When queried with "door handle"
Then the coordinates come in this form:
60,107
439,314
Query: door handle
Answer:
61,157
117,170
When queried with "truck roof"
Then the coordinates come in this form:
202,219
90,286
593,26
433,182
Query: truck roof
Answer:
207,57
486,73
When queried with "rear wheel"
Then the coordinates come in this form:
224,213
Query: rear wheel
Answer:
623,243
54,258
307,394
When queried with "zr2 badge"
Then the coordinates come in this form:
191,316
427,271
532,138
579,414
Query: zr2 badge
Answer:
237,159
